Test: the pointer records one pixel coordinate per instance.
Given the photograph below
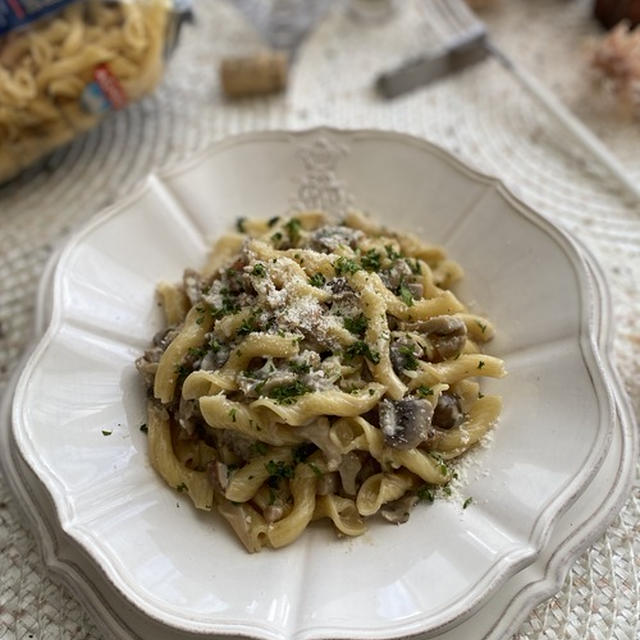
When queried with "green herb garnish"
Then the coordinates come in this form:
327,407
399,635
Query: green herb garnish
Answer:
357,325
345,265
232,414
287,393
467,502
414,265
197,352
361,348
424,391
273,221
144,428
293,229
480,364
258,448
279,469
240,225
182,370
300,367
405,295
392,254
425,493
371,260
483,327
409,360
106,432
315,469
229,306
317,280
248,325
181,487
442,466
259,270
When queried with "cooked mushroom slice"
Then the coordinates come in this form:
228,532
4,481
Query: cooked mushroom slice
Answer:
416,289
349,468
398,511
404,354
447,334
405,423
215,358
327,239
236,443
274,512
447,413
147,370
188,415
328,484
397,275
218,475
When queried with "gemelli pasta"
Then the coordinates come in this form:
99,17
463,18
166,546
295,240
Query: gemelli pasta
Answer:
315,370
60,74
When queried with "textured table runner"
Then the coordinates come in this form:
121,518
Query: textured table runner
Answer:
481,115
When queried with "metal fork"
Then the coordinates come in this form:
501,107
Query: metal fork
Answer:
454,17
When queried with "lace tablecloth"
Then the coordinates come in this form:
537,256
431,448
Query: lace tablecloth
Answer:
481,115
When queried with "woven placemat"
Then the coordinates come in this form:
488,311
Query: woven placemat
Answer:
481,115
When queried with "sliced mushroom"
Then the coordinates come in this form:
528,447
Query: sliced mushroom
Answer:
405,423
404,353
318,433
188,415
274,512
447,334
328,484
344,297
416,289
447,413
277,379
399,510
236,443
370,467
399,272
327,239
218,475
349,468
163,338
214,359
147,370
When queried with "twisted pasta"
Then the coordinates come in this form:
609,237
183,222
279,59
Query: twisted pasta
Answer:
59,75
316,371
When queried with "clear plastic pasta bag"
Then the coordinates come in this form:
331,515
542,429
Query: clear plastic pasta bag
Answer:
65,64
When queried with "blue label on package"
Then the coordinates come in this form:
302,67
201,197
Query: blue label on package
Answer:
15,13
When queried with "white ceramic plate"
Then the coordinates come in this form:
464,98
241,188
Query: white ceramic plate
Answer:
185,570
499,618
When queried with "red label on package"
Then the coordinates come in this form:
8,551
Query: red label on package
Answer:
110,86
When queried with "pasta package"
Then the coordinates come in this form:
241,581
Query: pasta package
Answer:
64,65
316,369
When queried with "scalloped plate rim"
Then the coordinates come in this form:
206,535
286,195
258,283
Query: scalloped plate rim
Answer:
474,600
555,569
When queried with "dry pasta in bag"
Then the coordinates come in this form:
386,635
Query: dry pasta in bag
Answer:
64,65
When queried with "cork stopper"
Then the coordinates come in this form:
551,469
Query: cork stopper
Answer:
255,75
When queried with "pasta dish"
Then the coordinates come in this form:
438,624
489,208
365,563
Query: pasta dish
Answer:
315,370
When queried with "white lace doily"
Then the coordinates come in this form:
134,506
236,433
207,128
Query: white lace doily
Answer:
482,115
